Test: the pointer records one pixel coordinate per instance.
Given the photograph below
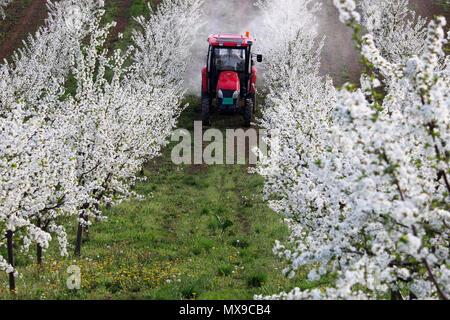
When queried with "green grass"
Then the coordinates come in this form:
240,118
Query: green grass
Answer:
138,8
171,245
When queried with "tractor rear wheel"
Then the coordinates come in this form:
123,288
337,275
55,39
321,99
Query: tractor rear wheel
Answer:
248,111
206,106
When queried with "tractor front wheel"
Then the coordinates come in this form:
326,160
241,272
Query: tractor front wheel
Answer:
248,111
206,106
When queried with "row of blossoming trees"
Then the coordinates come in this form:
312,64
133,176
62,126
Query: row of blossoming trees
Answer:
360,173
66,153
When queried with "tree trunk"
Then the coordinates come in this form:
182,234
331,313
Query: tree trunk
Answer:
86,232
39,256
396,295
9,240
79,238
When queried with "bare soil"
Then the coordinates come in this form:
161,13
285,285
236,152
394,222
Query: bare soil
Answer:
429,9
24,20
121,22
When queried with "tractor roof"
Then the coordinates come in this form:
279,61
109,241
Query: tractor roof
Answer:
230,40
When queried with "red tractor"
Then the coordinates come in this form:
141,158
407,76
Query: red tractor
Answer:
229,76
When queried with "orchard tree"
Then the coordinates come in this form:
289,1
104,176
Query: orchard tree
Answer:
37,168
160,61
376,218
44,62
37,183
124,122
297,105
397,32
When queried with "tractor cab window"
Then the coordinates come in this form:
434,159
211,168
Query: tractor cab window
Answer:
230,59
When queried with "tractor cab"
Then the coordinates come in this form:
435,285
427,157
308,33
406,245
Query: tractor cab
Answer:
229,76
